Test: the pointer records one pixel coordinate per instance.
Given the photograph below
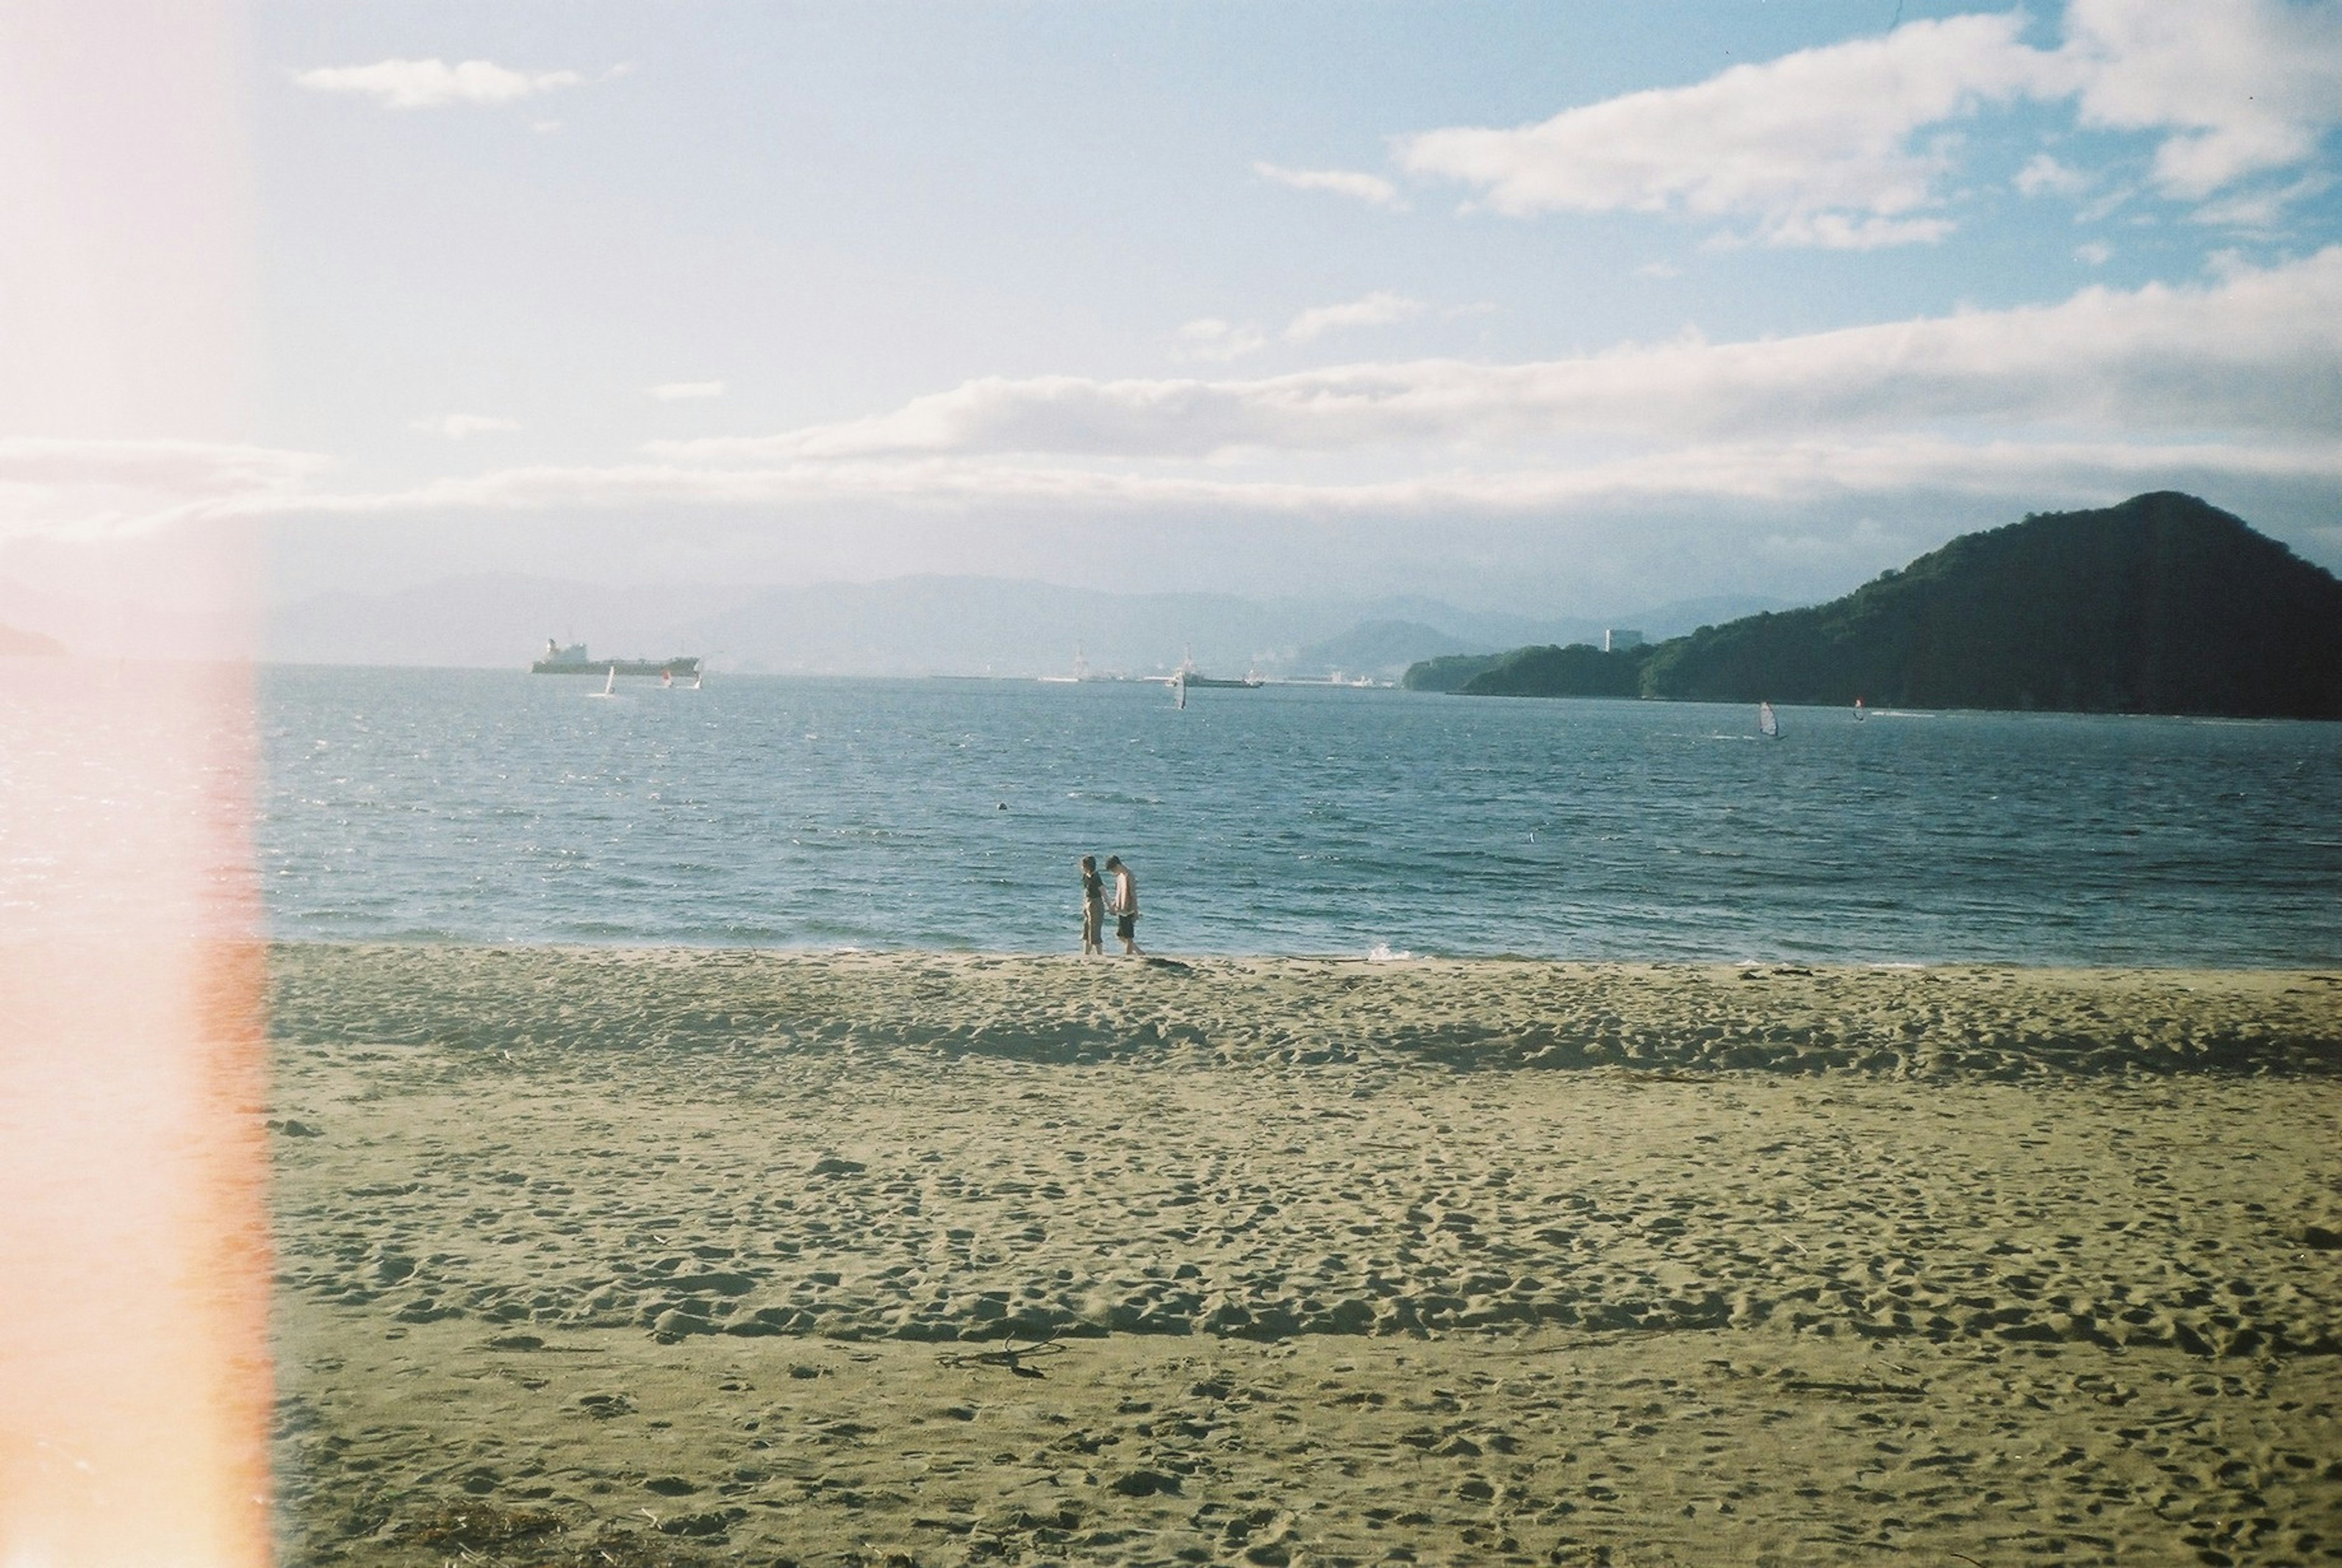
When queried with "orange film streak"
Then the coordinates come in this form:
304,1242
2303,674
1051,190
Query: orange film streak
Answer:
135,1377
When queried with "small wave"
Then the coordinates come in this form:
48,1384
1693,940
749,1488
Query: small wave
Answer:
1382,953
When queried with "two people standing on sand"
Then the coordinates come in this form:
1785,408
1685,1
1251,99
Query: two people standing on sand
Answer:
1096,906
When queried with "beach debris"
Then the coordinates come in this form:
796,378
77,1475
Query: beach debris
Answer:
1863,1389
1009,1356
476,1526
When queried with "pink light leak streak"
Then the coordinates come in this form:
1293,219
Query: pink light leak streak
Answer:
135,1383
134,1378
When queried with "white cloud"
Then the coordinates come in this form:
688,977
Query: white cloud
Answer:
2255,351
2092,252
682,390
2105,207
1380,308
434,84
1827,147
2224,264
1735,472
2044,175
1844,232
2261,210
1815,147
2248,85
93,489
2235,382
1658,269
1372,189
1208,337
458,426
1214,340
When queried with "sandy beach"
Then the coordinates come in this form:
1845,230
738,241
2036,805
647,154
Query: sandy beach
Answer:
636,1257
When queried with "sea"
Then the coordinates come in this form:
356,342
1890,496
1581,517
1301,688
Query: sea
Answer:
833,814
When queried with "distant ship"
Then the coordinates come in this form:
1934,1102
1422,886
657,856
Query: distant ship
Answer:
1187,675
1081,672
573,660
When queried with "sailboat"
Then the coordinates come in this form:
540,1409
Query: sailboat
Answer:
1858,713
1179,689
1766,725
610,687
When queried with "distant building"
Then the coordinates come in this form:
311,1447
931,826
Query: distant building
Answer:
1619,637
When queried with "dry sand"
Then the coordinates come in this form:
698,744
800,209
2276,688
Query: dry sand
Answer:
625,1258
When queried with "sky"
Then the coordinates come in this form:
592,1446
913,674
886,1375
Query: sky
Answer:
1550,308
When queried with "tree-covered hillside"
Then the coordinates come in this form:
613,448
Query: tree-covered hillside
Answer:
1580,670
2162,604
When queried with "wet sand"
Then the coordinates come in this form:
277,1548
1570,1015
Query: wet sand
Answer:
663,1257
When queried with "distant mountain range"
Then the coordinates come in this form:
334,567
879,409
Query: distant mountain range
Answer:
918,626
15,644
2162,604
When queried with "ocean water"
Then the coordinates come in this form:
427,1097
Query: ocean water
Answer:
481,805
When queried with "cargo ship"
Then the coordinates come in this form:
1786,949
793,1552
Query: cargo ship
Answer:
573,660
1187,675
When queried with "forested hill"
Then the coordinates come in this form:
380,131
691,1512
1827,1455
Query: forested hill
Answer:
2163,605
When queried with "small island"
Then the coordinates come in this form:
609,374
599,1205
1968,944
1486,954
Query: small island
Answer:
2162,604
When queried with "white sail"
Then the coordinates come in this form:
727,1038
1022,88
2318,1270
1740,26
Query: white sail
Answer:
1765,722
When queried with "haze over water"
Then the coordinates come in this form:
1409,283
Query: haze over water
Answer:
476,805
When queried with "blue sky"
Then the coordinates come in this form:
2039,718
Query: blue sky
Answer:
1562,308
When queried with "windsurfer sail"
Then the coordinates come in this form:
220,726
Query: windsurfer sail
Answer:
1766,725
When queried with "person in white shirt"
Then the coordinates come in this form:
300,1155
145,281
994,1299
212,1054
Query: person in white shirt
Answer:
1125,906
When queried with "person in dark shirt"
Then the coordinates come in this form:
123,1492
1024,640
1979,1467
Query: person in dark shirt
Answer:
1092,907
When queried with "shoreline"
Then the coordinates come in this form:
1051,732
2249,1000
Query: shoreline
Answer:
1373,954
1996,1019
1380,954
666,1259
